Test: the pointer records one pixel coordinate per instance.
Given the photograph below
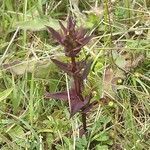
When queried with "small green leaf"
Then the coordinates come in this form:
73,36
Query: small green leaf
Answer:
102,137
5,94
105,119
101,147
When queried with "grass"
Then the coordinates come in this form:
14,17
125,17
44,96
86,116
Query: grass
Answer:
120,72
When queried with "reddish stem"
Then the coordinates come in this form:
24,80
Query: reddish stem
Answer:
77,84
77,80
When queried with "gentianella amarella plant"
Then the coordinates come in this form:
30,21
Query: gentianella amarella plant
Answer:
73,39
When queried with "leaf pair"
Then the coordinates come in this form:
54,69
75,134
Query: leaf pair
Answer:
81,66
75,103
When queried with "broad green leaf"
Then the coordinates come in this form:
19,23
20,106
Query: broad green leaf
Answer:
5,94
37,24
41,68
19,68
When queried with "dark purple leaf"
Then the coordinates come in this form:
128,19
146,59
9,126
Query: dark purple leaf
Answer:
76,106
76,103
72,53
62,95
80,33
63,66
55,34
68,42
81,65
57,95
85,40
71,24
88,107
77,48
88,98
76,51
81,43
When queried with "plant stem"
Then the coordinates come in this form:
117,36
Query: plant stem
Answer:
77,84
76,78
73,61
84,122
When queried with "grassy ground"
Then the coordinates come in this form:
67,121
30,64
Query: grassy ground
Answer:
120,73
